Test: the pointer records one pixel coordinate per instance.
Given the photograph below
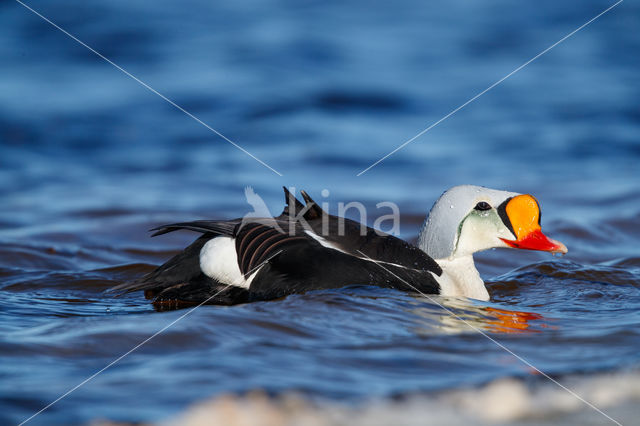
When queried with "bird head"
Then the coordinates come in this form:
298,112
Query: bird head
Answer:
467,219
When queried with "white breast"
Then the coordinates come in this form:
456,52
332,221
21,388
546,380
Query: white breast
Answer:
461,278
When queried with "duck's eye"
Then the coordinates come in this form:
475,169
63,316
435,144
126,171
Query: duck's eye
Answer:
482,206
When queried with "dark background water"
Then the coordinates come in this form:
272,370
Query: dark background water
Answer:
90,159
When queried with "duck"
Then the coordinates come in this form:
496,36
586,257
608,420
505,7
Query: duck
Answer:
305,248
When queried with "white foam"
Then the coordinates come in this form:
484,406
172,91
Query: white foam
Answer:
506,401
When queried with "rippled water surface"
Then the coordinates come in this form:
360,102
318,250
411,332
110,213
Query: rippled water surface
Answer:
90,159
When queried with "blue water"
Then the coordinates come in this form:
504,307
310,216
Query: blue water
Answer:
90,159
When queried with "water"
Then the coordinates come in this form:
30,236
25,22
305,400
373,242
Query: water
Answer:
319,91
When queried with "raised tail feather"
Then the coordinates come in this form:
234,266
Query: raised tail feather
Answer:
218,227
291,203
294,207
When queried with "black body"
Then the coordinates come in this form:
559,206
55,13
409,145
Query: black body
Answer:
288,259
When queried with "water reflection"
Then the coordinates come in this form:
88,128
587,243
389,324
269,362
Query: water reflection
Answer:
456,315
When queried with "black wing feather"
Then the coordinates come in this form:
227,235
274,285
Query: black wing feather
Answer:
219,227
181,268
257,241
180,283
306,267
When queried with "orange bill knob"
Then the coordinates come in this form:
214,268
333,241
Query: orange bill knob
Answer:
523,214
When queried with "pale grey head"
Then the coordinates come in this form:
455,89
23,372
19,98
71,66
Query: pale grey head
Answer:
467,219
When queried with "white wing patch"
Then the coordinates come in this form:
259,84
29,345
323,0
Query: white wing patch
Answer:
323,242
327,244
218,260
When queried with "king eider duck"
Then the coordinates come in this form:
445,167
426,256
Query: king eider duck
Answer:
305,248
